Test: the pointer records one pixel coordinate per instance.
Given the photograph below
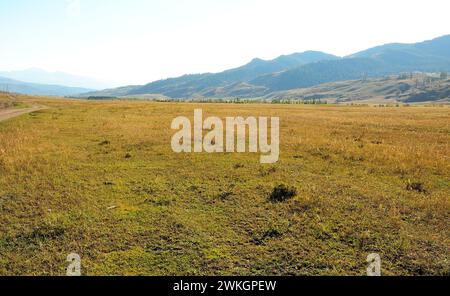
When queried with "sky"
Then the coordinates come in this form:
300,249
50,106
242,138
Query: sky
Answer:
139,41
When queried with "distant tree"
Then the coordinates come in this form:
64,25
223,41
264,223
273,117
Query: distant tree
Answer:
364,78
403,76
444,75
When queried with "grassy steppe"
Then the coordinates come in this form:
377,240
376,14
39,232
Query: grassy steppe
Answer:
100,179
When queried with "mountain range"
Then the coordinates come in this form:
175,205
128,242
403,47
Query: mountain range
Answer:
39,76
300,70
11,85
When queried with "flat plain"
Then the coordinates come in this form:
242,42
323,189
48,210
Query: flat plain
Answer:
100,179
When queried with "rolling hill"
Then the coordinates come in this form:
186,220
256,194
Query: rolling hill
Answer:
418,88
301,70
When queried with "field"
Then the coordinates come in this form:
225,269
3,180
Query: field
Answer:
100,179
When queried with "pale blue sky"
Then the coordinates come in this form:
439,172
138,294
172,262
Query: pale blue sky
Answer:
138,41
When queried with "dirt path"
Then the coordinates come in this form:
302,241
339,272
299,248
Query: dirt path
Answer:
10,113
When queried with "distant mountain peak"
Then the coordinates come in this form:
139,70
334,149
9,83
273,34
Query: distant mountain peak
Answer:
256,61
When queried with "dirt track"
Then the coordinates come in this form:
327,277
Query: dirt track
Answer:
10,113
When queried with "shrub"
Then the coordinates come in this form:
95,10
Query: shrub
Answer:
238,166
415,186
269,234
282,193
225,195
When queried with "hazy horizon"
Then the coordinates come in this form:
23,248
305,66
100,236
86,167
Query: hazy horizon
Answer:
113,41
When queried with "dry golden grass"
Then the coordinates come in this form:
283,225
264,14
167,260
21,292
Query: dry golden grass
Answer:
5,101
8,100
100,179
